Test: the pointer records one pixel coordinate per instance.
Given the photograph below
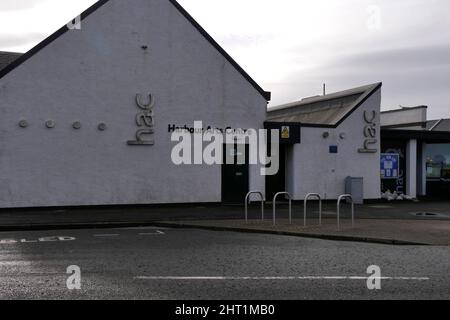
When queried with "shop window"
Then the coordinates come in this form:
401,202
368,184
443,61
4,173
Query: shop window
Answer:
438,162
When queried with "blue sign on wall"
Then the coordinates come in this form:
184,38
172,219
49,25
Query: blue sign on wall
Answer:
390,165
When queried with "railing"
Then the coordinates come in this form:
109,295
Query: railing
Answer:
275,206
342,197
310,195
246,204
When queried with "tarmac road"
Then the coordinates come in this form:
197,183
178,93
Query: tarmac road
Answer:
151,263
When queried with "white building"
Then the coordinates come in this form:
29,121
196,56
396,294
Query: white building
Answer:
88,114
423,147
68,110
340,138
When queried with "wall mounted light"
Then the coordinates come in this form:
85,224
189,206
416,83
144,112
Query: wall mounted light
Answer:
50,124
76,125
23,124
102,126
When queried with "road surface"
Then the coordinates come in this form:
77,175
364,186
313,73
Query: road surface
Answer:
152,263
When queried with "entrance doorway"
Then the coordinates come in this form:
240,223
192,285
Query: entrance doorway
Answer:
235,177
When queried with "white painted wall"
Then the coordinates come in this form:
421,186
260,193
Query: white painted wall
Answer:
318,171
411,168
403,116
93,76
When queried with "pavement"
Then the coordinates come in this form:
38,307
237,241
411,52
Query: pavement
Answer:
396,232
424,222
157,263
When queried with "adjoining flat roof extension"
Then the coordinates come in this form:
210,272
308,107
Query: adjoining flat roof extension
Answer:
423,135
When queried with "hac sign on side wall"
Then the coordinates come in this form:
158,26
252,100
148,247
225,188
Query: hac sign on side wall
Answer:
145,122
370,133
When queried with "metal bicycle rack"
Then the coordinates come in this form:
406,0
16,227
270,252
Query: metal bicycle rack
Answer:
342,197
246,204
275,206
310,195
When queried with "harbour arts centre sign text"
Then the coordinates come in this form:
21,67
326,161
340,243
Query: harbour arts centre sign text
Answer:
200,146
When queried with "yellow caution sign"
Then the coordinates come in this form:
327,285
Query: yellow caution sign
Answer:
285,133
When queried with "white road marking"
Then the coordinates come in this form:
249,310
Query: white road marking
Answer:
145,228
157,233
106,235
40,240
281,278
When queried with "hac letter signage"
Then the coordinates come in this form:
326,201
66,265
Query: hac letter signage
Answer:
144,120
370,133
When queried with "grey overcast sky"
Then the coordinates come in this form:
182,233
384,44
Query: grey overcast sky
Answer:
291,47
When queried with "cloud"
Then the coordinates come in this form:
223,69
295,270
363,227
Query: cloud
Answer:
14,42
14,5
411,76
435,56
33,20
291,47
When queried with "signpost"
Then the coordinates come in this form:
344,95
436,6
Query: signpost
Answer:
390,165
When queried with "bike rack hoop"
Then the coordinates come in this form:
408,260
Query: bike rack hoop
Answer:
275,206
342,197
308,196
247,198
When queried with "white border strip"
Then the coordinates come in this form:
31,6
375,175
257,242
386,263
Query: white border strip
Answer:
282,278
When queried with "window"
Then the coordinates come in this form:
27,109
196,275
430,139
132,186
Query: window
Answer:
438,162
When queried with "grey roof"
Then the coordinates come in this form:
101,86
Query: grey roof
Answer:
7,57
329,109
439,125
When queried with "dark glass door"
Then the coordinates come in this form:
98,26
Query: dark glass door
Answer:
235,177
